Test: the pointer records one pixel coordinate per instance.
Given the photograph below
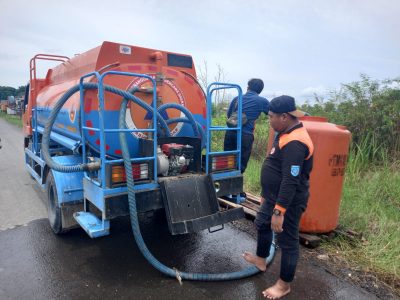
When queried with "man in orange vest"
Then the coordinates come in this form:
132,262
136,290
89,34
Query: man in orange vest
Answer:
285,189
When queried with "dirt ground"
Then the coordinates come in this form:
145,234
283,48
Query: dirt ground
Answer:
336,265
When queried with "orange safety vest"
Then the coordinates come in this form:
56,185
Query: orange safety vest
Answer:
299,134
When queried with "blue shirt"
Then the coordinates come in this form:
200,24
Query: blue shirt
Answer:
252,105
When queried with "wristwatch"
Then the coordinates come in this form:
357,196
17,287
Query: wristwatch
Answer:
276,212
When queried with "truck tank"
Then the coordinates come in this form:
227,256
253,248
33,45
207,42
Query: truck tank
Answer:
175,76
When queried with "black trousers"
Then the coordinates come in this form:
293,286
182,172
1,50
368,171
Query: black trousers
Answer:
288,240
247,145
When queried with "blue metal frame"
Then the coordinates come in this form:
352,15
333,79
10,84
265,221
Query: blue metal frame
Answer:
68,143
102,131
81,185
215,86
31,156
94,191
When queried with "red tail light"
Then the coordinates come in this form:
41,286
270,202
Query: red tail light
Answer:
139,172
223,162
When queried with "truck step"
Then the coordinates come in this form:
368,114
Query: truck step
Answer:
93,226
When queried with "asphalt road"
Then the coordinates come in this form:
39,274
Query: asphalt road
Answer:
36,264
19,195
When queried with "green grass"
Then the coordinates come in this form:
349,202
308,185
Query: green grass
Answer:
13,119
371,206
252,176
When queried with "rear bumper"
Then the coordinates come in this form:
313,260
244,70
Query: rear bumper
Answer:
152,200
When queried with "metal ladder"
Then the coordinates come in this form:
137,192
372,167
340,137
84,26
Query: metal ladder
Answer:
212,88
97,191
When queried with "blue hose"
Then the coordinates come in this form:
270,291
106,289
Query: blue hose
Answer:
183,109
130,183
57,107
138,236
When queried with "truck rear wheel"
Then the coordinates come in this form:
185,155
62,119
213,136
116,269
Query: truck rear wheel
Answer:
53,208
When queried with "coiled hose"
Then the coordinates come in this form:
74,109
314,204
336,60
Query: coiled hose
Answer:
136,228
57,107
130,183
183,109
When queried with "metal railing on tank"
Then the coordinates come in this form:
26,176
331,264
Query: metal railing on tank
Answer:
103,131
213,87
34,91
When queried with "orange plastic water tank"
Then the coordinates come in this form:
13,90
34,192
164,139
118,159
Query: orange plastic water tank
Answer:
331,148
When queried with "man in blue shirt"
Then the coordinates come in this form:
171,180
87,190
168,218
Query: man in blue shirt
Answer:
252,105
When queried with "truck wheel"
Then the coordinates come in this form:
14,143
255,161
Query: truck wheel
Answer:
53,208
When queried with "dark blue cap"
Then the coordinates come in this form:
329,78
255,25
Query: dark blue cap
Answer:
285,104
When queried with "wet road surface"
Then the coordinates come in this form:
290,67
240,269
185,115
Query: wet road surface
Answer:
36,264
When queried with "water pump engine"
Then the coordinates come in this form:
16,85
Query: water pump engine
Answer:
174,159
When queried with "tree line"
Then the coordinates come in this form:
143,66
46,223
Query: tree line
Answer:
370,109
6,91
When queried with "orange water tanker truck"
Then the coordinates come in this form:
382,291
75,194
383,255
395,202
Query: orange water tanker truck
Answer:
121,130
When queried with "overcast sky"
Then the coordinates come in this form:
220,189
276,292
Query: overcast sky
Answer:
296,47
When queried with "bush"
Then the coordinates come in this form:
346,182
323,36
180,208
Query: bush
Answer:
370,110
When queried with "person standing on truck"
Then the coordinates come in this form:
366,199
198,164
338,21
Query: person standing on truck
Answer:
252,106
284,192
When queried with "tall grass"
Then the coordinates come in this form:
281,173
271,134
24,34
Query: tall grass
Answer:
366,154
261,132
371,206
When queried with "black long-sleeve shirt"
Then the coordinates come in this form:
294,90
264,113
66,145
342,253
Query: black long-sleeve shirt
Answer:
286,171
